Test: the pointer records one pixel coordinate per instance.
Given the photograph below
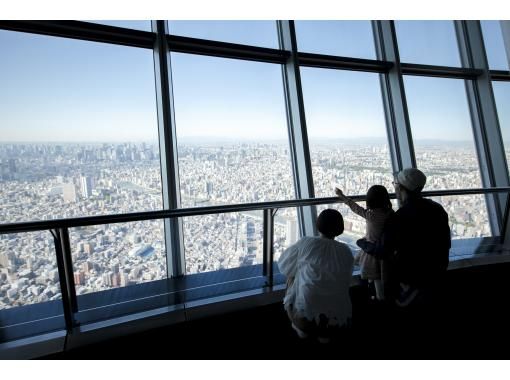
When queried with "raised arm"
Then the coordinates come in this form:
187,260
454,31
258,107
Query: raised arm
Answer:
357,209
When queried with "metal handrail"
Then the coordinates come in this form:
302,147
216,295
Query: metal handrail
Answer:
197,211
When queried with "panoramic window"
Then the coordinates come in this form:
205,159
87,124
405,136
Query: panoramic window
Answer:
494,45
78,126
79,138
232,138
428,42
444,144
343,38
502,97
261,33
347,136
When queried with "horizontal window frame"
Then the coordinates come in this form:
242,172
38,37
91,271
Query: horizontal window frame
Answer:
500,75
86,31
344,63
8,228
191,45
440,71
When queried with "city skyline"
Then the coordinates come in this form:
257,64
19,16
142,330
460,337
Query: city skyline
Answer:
48,181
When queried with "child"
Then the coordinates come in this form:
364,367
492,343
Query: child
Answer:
319,273
379,208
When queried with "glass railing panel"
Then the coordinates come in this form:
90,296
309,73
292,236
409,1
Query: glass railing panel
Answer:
30,295
223,241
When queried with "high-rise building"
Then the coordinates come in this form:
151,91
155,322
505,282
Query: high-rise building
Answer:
86,186
290,232
79,278
69,192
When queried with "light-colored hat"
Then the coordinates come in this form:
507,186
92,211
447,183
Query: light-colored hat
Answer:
412,179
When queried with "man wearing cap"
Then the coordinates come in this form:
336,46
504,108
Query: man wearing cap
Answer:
416,238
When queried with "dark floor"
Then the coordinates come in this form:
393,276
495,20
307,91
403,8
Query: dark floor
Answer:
471,322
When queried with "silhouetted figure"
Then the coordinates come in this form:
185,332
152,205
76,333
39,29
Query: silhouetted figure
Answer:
319,272
417,238
379,208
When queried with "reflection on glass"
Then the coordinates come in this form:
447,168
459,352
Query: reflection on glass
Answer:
144,25
494,45
117,255
428,42
467,215
28,269
286,230
442,133
343,38
78,129
346,131
223,241
247,32
502,97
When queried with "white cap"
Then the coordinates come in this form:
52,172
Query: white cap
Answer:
412,179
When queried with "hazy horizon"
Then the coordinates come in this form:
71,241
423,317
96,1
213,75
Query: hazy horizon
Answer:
231,140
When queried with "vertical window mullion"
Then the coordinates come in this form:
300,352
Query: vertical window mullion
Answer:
488,140
296,121
393,93
505,29
168,151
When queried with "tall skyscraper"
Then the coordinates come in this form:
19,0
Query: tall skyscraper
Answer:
290,232
87,185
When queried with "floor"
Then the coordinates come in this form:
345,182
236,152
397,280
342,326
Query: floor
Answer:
471,322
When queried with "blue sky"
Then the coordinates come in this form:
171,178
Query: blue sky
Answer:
57,89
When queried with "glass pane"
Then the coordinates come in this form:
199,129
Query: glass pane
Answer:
502,97
117,255
428,42
223,241
78,129
247,32
131,24
232,148
28,269
494,45
342,38
286,230
467,215
30,296
231,127
442,133
346,131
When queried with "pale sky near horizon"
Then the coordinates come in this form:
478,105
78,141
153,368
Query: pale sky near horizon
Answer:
57,89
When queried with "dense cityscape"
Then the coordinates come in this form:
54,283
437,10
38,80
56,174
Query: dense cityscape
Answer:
42,181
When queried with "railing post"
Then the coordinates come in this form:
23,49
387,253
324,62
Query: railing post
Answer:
267,267
66,277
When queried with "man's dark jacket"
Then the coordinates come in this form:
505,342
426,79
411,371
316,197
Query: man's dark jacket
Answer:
417,238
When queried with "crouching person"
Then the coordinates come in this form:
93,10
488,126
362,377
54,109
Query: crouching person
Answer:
318,271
